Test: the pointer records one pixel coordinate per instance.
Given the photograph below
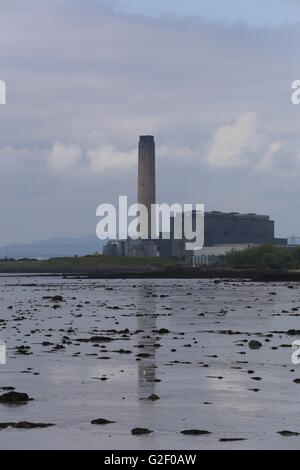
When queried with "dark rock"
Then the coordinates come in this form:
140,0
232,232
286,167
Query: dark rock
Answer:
254,344
293,332
163,331
140,431
23,350
195,432
225,439
288,433
57,298
153,397
101,421
14,398
101,339
25,425
28,425
5,425
58,347
124,351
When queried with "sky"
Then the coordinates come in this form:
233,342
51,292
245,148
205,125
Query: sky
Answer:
85,78
252,12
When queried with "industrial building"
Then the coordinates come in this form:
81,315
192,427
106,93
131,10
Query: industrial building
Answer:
213,254
225,229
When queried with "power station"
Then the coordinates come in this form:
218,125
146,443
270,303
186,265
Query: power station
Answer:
222,231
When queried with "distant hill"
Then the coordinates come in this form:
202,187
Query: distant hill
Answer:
63,246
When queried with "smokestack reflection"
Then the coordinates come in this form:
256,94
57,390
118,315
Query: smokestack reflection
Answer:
147,339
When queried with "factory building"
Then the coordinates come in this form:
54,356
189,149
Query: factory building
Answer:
226,229
214,254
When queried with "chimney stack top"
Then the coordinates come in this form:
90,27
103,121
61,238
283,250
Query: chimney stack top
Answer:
146,139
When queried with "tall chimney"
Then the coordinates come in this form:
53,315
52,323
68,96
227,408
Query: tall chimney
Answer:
146,176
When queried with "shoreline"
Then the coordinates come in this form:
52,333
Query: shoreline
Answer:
229,274
146,272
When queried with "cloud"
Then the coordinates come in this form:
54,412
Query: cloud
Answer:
267,160
9,153
246,143
177,154
63,158
231,144
109,158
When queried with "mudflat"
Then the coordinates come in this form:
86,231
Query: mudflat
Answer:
148,363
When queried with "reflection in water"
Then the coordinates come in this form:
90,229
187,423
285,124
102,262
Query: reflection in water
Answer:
147,343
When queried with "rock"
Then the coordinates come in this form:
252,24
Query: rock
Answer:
163,331
101,421
153,397
57,298
254,344
288,433
234,439
14,398
195,432
5,425
293,332
101,339
140,431
297,381
23,350
25,425
28,425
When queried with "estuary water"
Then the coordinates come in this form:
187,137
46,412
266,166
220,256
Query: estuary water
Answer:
167,355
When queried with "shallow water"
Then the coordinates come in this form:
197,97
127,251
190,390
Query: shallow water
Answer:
204,376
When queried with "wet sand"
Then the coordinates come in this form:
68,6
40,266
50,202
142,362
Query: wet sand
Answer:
170,356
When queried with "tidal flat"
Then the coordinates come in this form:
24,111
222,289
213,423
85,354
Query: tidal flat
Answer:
148,364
